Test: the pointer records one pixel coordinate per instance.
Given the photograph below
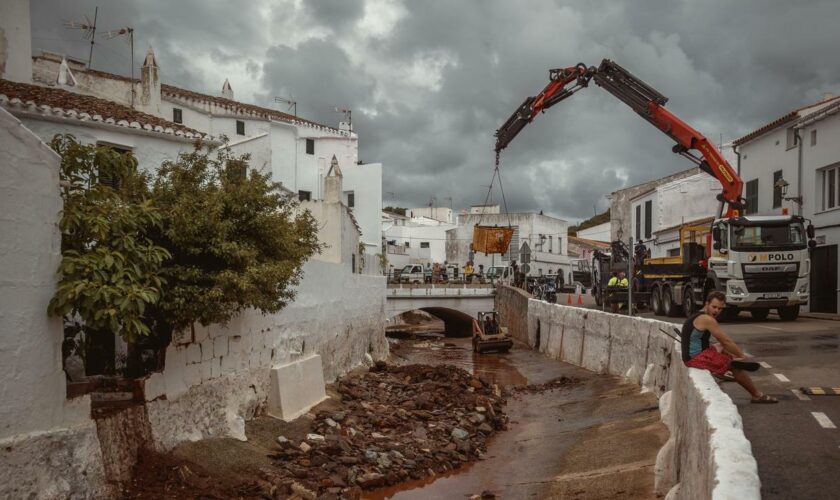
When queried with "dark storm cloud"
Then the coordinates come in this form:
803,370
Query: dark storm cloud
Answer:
428,93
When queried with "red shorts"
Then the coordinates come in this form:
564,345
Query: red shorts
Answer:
711,359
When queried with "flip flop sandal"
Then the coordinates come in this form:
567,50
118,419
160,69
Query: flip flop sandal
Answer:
764,399
726,377
749,366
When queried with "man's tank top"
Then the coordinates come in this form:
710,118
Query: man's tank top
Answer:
693,340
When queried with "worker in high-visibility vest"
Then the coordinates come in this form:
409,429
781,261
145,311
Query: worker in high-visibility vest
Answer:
617,281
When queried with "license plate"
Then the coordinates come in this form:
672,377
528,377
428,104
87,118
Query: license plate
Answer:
772,295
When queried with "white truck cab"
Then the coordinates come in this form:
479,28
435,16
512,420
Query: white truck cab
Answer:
761,263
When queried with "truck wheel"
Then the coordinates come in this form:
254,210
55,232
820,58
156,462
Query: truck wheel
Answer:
789,313
668,306
656,301
760,314
689,306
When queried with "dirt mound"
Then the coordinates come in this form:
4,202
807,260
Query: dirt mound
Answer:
399,423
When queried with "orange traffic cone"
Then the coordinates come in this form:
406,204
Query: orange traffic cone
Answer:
580,300
569,299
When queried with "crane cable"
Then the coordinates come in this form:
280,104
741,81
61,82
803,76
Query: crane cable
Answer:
496,173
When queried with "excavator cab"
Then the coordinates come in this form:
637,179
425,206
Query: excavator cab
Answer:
488,335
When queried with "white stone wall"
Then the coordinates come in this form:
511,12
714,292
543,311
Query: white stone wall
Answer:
707,455
48,445
15,41
365,181
217,377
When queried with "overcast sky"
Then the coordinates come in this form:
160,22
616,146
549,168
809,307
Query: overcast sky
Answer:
430,81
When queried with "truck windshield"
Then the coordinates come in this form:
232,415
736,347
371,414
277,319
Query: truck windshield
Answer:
495,272
407,269
769,237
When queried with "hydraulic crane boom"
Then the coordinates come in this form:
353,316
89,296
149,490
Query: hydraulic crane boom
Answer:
646,102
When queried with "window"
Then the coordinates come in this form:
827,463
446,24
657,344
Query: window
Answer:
648,218
752,196
673,252
351,199
813,138
407,245
777,191
310,146
550,244
638,222
104,178
177,115
353,263
240,127
424,244
791,139
305,195
830,177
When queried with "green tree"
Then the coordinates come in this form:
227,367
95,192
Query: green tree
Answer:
237,241
110,268
395,210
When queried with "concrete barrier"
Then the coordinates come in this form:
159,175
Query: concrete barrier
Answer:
707,455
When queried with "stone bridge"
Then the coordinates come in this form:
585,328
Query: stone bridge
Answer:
455,305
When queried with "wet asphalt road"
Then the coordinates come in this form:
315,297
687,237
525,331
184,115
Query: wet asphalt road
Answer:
798,453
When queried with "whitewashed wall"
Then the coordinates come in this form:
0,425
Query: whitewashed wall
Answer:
366,183
48,445
217,377
16,45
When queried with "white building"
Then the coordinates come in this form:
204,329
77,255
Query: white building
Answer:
803,149
658,213
546,237
601,232
442,214
414,240
296,151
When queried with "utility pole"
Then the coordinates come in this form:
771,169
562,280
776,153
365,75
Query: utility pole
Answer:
88,31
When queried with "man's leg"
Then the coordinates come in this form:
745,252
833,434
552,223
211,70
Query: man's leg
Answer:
746,382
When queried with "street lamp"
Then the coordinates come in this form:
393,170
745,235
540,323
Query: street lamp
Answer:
782,185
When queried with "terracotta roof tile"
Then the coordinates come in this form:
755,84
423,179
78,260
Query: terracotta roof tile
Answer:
237,106
778,122
59,102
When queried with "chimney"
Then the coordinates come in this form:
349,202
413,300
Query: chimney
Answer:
15,41
332,183
65,76
227,91
150,85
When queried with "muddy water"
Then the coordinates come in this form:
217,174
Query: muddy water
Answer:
528,460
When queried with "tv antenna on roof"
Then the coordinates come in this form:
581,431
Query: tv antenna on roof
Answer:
129,33
88,31
348,115
292,104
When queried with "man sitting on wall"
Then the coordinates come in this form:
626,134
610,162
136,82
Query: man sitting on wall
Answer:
719,358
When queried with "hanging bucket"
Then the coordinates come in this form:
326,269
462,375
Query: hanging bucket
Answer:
491,239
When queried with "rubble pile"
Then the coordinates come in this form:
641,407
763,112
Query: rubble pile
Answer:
397,423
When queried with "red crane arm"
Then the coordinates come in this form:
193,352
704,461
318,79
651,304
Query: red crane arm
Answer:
646,102
553,93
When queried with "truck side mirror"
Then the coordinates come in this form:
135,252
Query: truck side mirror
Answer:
812,243
716,236
717,245
810,231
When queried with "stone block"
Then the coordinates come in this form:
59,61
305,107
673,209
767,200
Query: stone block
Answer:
173,372
628,348
296,387
235,344
220,347
200,332
206,349
573,332
207,369
596,342
215,367
193,353
192,374
154,386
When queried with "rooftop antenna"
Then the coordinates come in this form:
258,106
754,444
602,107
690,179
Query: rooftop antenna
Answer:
128,32
348,115
88,31
292,105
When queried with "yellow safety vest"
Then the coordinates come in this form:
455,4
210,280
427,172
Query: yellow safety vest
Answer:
615,281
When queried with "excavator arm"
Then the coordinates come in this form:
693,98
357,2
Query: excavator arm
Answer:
647,103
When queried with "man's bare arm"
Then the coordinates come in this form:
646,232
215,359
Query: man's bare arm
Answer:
729,345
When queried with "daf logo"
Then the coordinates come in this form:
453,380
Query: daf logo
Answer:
772,257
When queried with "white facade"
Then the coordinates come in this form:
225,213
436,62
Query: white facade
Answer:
15,41
547,238
363,186
809,165
423,239
601,232
443,214
657,214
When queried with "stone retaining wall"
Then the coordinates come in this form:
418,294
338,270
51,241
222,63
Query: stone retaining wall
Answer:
708,455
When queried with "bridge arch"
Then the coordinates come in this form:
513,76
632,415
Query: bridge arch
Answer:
455,323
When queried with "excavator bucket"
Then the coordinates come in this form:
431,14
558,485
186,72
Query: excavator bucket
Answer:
491,239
